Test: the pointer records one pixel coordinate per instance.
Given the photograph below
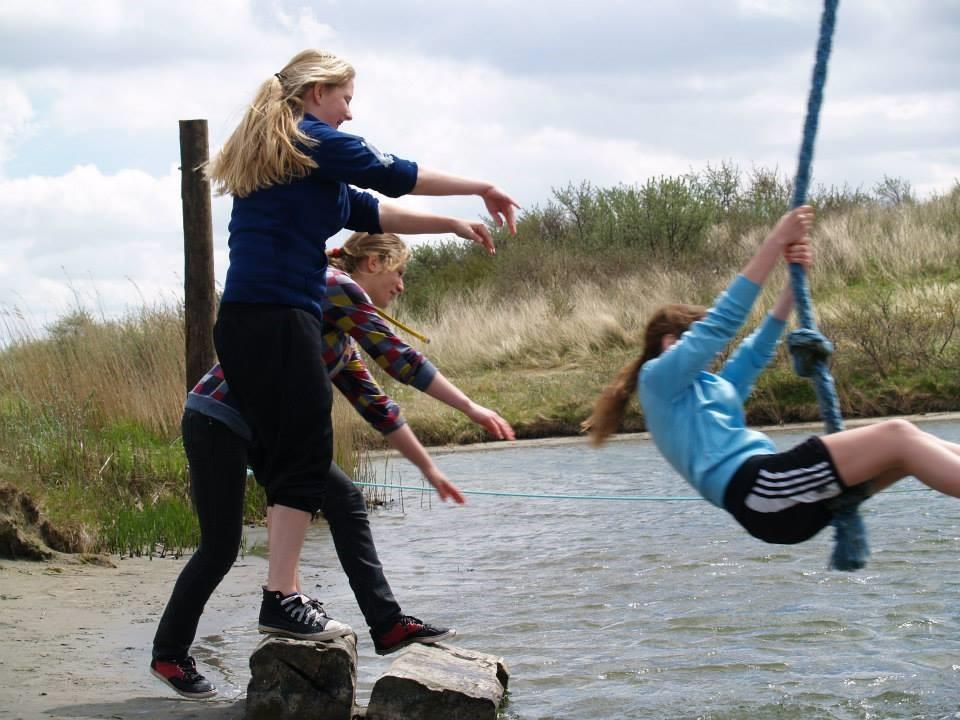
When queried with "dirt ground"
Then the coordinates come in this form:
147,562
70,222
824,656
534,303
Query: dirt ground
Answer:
75,639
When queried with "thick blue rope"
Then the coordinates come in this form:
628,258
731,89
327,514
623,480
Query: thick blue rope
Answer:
810,349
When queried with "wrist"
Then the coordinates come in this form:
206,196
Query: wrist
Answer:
428,470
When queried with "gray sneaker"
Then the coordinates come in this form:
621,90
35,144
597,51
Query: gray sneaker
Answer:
297,616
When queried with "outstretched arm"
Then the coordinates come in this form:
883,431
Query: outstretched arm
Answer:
502,207
801,253
756,351
406,443
449,394
676,368
792,228
404,221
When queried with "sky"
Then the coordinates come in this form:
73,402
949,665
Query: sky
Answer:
528,94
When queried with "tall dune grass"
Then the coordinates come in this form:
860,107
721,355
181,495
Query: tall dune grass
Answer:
572,319
129,369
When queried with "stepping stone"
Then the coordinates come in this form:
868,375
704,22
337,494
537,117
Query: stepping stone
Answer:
427,682
302,679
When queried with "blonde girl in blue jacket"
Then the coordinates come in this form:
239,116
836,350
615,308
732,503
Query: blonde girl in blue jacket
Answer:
696,417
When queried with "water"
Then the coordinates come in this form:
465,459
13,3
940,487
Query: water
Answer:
605,609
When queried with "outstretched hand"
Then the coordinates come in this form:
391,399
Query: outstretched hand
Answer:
475,231
491,421
445,489
502,207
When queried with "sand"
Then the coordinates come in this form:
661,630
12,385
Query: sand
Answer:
76,639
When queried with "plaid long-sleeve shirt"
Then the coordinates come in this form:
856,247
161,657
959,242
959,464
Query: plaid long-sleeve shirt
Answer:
349,319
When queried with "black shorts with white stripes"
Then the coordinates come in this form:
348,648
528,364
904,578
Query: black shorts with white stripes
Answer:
782,498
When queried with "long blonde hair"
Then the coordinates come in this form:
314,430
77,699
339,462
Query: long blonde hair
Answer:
390,248
268,148
611,405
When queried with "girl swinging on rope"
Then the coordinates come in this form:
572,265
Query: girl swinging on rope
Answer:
696,417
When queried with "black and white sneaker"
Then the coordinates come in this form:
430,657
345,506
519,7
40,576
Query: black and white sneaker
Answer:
297,616
182,676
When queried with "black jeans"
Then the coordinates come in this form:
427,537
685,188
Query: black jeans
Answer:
217,457
218,469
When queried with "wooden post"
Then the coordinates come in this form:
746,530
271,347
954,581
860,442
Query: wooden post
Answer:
198,280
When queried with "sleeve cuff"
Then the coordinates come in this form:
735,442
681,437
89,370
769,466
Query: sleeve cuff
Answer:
424,376
743,290
403,178
770,332
392,427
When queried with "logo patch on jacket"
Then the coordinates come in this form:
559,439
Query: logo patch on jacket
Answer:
383,158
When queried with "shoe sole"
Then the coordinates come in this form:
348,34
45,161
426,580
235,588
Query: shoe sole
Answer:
183,693
418,641
325,635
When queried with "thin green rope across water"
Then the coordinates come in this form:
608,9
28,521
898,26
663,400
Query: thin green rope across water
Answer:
559,496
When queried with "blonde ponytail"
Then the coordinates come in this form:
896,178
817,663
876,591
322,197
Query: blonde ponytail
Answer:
268,147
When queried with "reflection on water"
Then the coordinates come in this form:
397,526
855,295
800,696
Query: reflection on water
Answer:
606,609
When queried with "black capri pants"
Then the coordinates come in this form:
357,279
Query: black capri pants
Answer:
272,360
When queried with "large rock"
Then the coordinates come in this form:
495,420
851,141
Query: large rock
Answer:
302,679
439,682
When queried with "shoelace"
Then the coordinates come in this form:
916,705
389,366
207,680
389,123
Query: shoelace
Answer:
318,606
188,667
306,612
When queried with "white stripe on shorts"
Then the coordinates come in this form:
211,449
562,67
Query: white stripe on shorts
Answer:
778,491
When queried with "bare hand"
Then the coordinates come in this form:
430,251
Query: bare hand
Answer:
800,252
445,489
475,232
502,207
489,419
792,227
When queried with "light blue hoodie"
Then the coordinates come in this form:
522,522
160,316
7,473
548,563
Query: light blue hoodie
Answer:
695,417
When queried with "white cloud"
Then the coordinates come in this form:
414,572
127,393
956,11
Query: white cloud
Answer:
105,241
16,111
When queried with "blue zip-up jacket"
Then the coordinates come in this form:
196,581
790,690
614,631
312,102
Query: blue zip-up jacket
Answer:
278,234
695,417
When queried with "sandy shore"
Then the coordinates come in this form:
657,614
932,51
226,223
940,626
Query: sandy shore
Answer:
76,639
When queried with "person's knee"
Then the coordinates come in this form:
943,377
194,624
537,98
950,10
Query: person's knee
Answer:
345,503
218,557
897,428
